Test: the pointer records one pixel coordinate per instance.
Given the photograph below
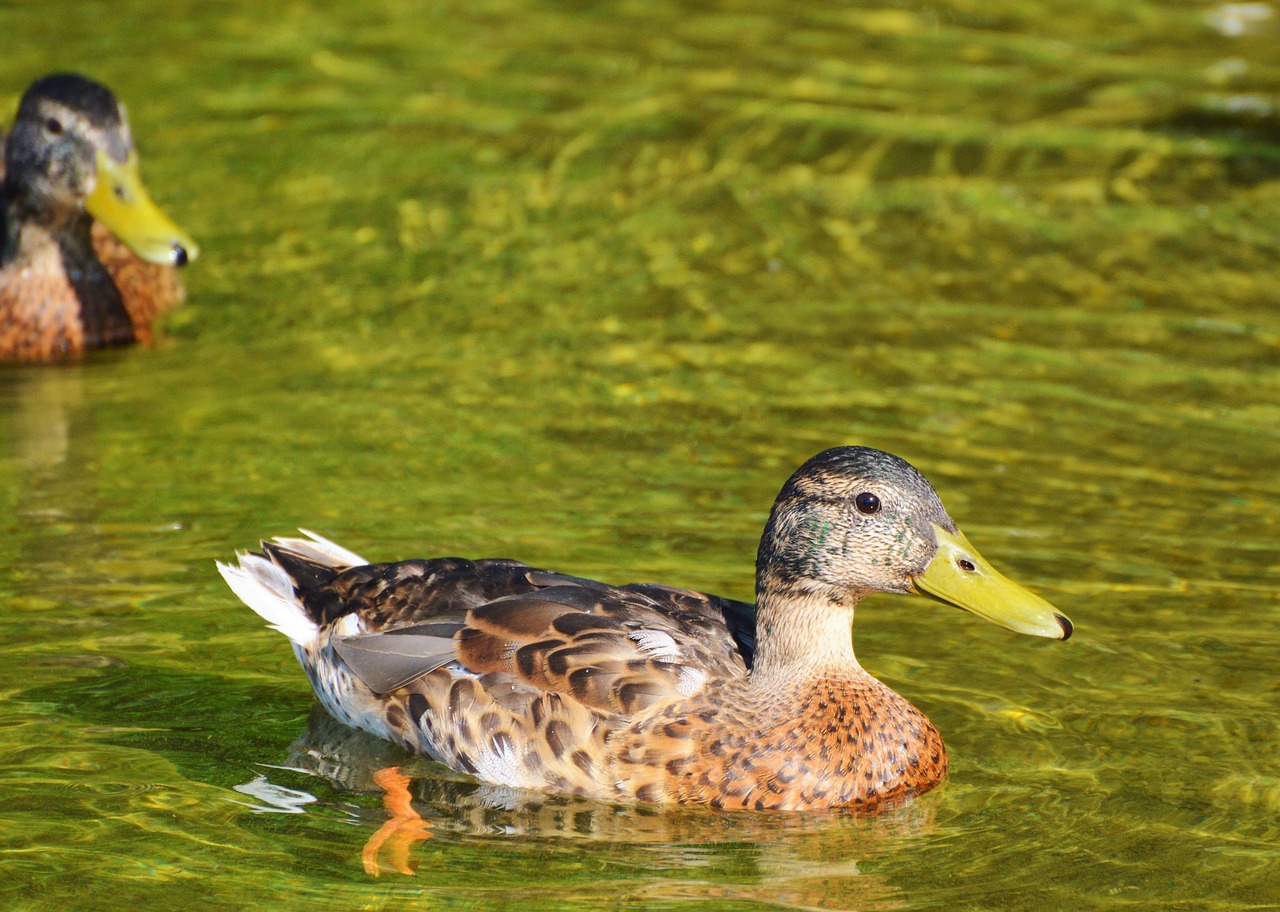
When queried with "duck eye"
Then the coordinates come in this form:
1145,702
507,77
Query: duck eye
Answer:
867,503
53,125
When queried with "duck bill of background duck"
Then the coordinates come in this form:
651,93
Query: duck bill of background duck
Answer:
960,576
122,204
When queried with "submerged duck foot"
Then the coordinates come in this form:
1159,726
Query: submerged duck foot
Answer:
400,832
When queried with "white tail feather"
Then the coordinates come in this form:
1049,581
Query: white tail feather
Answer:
320,549
267,589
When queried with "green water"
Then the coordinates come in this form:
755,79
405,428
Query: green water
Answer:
581,284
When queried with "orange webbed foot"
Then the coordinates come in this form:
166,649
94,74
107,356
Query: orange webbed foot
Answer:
400,832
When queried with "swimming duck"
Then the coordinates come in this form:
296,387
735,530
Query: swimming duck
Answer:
66,283
534,679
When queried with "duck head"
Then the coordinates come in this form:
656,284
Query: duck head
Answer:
70,155
855,520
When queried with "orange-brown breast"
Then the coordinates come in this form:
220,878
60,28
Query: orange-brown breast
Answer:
827,743
43,315
147,289
55,306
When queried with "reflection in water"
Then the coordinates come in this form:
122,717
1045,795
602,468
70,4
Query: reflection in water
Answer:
814,859
601,278
41,403
64,447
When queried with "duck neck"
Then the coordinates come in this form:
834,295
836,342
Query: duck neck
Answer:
30,233
803,633
14,245
65,250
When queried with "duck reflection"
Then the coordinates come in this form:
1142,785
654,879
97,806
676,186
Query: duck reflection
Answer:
805,860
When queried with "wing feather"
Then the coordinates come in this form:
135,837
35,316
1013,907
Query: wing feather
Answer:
614,650
387,661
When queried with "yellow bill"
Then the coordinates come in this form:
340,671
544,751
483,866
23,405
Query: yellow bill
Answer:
958,575
121,202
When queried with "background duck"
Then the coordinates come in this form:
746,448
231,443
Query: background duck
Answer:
67,282
528,678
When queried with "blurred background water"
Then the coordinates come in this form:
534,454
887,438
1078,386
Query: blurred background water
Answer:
581,284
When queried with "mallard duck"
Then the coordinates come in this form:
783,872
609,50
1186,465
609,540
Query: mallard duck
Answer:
534,679
66,283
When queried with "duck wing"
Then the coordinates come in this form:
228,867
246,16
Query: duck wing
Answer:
614,649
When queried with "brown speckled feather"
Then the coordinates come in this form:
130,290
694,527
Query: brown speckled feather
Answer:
147,290
613,692
529,678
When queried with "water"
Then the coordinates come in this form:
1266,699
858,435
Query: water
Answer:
582,284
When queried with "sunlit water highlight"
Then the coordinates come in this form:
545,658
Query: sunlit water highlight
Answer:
581,285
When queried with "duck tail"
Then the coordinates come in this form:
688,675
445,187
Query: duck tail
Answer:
273,583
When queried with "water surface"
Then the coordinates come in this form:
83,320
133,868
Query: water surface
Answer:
581,284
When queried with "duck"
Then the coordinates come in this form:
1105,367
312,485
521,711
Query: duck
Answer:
651,693
87,259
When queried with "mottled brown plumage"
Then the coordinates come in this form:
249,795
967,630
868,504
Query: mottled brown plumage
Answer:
67,283
146,289
529,678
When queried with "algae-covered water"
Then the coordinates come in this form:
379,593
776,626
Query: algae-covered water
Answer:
581,284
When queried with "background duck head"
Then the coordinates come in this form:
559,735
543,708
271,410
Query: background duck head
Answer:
70,157
70,160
